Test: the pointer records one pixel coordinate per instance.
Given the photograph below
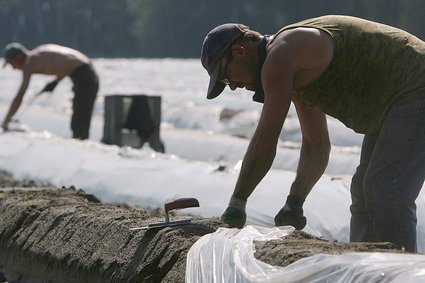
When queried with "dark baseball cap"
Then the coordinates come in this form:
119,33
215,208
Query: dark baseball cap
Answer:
217,41
11,50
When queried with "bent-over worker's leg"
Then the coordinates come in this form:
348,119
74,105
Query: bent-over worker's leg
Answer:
361,225
85,89
396,175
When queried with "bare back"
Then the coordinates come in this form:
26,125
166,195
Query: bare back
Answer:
52,59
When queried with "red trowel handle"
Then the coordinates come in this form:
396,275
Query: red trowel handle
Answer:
181,203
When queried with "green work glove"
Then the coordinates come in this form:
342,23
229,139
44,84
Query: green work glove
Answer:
291,213
235,215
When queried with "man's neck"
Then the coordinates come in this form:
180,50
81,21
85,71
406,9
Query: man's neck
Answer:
261,56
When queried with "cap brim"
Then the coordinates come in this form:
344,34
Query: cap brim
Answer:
215,86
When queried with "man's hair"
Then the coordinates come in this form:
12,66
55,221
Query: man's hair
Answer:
13,49
249,36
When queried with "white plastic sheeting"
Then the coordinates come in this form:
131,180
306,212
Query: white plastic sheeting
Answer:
150,179
228,256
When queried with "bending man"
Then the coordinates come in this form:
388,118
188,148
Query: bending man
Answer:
368,75
60,61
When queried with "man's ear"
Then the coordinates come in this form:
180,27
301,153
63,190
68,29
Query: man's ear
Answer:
238,50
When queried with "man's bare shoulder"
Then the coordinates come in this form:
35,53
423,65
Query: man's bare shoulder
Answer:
302,39
307,51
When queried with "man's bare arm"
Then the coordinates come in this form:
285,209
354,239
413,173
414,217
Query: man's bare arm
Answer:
277,83
16,103
315,149
262,149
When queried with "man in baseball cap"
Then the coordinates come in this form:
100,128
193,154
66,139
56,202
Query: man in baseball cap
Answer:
216,44
59,61
11,50
369,76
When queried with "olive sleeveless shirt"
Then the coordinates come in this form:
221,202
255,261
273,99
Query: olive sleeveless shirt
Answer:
374,67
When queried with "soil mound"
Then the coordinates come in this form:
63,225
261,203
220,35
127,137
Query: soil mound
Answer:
62,236
65,235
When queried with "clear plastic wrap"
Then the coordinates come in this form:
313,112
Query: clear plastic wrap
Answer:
228,256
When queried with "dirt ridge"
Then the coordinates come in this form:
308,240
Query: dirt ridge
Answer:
66,235
58,235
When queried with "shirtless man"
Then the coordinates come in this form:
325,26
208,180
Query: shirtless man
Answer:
370,76
60,61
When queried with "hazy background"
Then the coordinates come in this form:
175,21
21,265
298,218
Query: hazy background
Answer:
166,28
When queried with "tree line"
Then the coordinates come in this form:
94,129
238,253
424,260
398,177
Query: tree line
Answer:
176,28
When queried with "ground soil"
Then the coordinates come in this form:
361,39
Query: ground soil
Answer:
65,235
299,245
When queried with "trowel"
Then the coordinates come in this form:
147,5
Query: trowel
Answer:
169,206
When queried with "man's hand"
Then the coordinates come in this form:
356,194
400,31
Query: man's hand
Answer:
291,213
49,87
234,217
5,127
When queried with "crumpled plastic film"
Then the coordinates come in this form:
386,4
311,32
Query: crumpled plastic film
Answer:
228,256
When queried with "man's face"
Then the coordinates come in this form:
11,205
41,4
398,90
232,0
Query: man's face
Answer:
238,71
17,61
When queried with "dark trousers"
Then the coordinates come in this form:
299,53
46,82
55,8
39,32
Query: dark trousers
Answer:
389,178
86,85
